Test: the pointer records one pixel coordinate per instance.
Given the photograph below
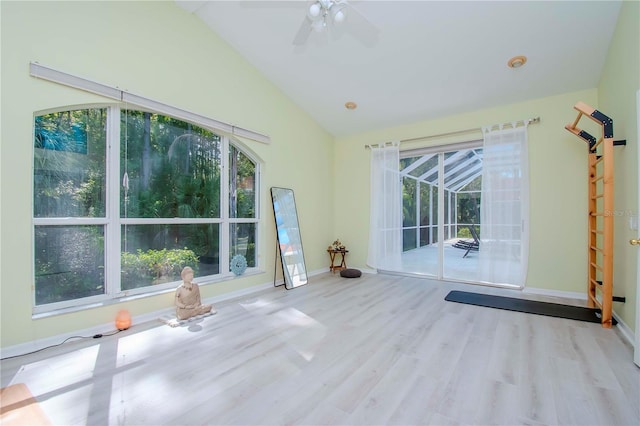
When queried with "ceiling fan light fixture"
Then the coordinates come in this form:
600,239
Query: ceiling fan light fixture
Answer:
517,61
322,15
337,12
314,10
322,12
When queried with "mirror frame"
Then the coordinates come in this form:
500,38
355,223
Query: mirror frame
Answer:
289,240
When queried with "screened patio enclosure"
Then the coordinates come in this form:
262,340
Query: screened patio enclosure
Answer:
441,202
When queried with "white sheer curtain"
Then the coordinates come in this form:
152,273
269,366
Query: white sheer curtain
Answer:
385,230
504,206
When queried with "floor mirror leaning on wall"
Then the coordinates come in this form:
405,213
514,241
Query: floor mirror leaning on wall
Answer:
289,240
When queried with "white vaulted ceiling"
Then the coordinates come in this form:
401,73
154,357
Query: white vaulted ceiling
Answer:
430,58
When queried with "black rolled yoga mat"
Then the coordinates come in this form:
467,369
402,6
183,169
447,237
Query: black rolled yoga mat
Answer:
527,306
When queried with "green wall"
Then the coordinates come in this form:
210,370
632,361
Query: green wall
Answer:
617,90
158,50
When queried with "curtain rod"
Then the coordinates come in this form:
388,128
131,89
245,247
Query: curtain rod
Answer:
461,132
46,73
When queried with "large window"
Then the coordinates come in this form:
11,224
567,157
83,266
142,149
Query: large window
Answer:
124,199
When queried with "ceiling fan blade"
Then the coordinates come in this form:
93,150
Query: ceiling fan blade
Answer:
360,27
303,33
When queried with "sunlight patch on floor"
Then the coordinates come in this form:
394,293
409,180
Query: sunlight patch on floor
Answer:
301,332
62,383
58,371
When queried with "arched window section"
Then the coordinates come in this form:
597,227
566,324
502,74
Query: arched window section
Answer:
124,199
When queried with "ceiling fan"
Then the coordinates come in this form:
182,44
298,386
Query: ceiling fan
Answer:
323,14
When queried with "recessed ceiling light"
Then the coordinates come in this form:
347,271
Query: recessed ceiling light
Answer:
517,61
351,105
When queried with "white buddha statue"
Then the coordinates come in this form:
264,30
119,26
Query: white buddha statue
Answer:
188,303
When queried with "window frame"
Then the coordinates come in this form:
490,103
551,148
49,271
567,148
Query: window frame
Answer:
112,223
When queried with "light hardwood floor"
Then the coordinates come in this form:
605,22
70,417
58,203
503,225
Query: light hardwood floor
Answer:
374,350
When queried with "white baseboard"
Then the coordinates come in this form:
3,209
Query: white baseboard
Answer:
37,345
624,330
555,293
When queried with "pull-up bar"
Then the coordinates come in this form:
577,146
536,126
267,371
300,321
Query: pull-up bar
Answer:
598,117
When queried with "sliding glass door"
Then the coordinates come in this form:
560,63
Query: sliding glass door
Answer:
441,211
